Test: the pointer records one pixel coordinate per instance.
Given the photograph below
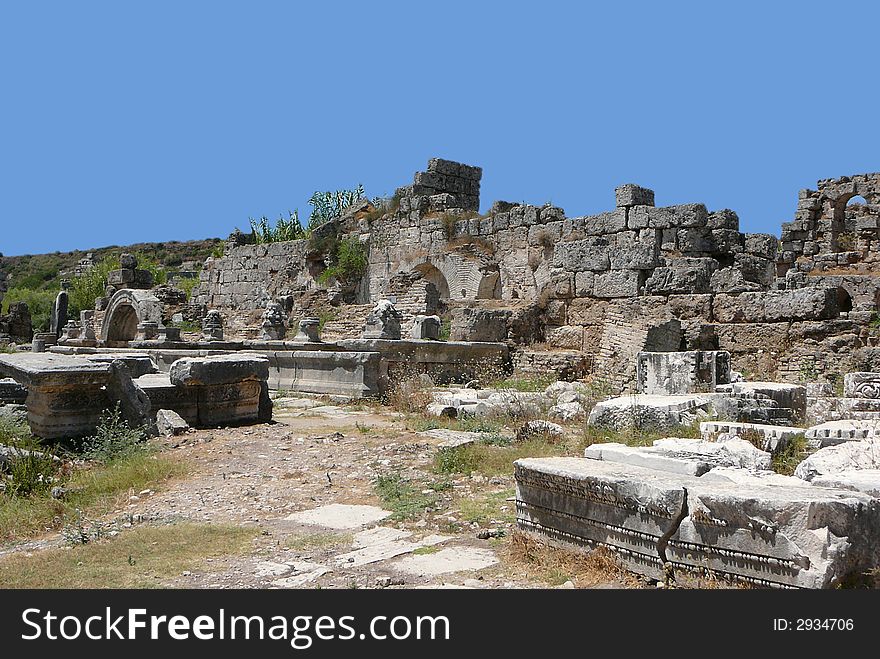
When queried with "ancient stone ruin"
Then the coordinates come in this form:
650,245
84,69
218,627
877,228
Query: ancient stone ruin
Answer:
644,317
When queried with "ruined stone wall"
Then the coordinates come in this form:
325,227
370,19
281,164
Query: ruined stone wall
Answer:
638,277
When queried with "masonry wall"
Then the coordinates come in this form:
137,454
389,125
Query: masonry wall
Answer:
608,285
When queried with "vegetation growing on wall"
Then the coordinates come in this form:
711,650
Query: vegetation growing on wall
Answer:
327,206
348,262
284,230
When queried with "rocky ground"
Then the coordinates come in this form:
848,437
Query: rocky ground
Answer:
308,483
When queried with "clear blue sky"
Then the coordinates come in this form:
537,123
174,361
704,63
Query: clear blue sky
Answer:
125,122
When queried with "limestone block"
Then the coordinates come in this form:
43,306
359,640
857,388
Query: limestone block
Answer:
764,245
566,337
861,385
426,328
219,370
134,404
848,456
604,223
647,412
539,428
765,534
617,283
566,412
784,394
776,306
665,373
630,194
690,457
831,433
169,423
583,284
723,219
683,275
688,307
773,438
863,480
591,254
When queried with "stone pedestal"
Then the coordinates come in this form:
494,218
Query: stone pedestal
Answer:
212,326
426,327
383,322
695,371
309,331
147,331
274,327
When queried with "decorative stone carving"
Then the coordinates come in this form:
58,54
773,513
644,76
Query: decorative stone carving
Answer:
309,331
383,322
212,326
274,323
861,385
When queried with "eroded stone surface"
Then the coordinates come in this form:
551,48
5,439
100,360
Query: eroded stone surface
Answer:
340,516
767,534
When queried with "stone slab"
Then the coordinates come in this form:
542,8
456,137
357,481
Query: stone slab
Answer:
219,370
766,534
342,517
447,561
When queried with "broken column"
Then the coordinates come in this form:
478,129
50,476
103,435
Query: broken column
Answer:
58,318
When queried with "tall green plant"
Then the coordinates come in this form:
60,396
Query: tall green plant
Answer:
329,205
284,230
348,262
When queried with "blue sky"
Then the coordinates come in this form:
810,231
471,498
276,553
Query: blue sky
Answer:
155,121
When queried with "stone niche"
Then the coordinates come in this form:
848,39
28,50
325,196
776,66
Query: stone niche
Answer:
694,371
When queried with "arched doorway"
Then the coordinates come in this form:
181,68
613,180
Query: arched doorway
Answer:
122,327
490,287
431,274
125,311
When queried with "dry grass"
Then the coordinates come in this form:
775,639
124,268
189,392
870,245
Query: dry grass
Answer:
556,565
144,557
94,491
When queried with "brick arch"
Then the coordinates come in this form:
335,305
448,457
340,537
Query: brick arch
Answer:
125,311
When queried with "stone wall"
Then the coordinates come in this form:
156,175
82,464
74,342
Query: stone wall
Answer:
639,277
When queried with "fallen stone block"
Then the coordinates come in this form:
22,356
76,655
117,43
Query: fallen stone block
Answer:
774,438
690,457
134,403
441,410
791,396
169,423
647,412
539,428
11,391
222,369
849,456
767,535
566,412
861,385
837,432
860,480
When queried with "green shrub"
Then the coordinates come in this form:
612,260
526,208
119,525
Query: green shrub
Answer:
32,469
40,303
187,285
348,263
92,283
114,438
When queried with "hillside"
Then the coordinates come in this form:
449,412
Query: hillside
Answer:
40,271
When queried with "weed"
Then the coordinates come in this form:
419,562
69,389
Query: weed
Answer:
113,438
431,549
556,565
786,460
402,497
348,262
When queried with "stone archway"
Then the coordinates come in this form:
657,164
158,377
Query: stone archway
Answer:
431,274
126,310
490,287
